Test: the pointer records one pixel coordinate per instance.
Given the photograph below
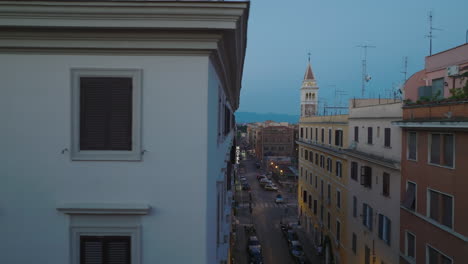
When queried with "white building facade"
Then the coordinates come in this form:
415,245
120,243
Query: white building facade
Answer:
374,181
118,130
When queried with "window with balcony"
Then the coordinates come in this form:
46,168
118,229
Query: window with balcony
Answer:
366,176
412,146
409,200
441,149
440,208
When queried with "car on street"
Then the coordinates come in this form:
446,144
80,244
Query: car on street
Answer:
264,181
254,244
259,176
279,199
245,186
290,235
243,178
270,187
295,248
255,256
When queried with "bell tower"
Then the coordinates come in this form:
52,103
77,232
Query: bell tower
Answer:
309,93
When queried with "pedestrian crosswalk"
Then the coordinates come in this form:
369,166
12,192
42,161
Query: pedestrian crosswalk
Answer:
267,205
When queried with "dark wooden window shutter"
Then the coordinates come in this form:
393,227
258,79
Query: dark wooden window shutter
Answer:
105,250
105,113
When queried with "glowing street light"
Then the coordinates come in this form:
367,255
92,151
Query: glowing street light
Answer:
276,166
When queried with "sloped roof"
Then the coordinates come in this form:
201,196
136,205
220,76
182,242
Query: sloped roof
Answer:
309,75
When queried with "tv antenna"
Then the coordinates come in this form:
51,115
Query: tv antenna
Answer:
430,35
405,69
365,77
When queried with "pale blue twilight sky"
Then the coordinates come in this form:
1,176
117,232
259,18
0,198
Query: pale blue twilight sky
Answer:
281,33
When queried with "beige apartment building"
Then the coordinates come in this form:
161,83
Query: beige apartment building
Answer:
373,159
322,183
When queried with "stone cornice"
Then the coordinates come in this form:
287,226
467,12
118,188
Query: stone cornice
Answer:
218,29
104,208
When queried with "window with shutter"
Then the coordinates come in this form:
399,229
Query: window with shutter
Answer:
105,250
387,137
385,184
366,176
412,145
354,170
106,114
356,134
369,135
409,200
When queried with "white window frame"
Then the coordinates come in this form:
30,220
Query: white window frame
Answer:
415,194
429,144
406,245
384,230
440,252
137,80
428,207
105,225
407,145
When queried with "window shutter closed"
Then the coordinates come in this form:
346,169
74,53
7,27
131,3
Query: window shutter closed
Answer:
105,250
105,113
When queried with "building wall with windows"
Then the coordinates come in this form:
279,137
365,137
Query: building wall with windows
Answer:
374,182
153,182
322,185
433,209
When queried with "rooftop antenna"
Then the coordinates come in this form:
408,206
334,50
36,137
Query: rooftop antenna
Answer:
365,77
308,54
405,69
431,28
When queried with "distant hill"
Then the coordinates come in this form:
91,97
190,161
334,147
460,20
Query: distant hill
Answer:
249,117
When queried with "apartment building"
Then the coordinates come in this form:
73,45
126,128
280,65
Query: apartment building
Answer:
322,191
97,99
373,159
433,166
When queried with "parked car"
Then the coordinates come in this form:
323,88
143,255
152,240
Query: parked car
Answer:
245,186
296,250
264,181
254,244
279,199
243,178
290,235
260,176
255,256
257,164
270,187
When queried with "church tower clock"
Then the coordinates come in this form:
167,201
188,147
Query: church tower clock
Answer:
309,94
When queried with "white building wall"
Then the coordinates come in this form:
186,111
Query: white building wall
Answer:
172,177
375,116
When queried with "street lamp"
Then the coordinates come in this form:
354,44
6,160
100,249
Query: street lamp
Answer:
276,166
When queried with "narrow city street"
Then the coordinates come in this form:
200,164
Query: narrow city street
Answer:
266,217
